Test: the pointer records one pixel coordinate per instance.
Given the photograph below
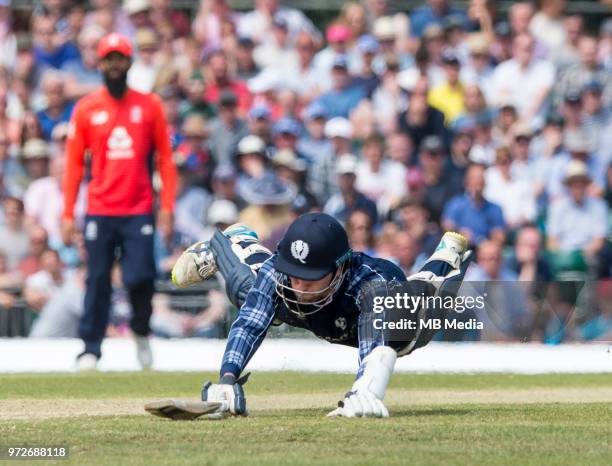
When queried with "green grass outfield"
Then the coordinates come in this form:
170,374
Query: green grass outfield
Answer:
487,419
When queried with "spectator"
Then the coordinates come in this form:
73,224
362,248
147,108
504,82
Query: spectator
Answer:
474,108
524,81
367,76
479,70
58,108
269,200
260,123
520,148
314,143
278,52
460,150
399,148
35,159
528,261
224,185
577,147
285,134
42,285
246,67
441,183
344,96
448,96
588,69
338,37
349,198
434,12
44,201
506,313
195,102
38,244
323,181
83,75
14,242
413,218
515,195
48,51
380,179
595,115
577,221
167,322
472,214
192,203
223,84
504,122
292,170
193,153
547,24
8,41
421,120
63,300
251,159
256,24
227,129
360,231
144,71
164,16
406,251
139,16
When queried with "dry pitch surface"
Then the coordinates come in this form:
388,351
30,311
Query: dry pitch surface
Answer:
436,419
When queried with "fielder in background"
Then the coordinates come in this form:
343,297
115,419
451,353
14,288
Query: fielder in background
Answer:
313,281
124,135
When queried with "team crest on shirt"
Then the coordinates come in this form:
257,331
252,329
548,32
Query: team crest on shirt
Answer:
300,250
136,114
120,144
99,118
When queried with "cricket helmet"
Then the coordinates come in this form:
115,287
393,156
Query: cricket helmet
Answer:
315,245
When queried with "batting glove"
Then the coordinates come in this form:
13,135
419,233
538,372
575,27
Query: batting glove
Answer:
361,403
229,393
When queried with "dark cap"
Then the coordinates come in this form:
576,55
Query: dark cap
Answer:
228,99
573,97
224,172
432,144
593,86
503,29
340,62
450,58
303,204
314,245
280,22
245,41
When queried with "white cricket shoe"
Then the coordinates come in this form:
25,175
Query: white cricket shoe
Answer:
197,263
86,362
143,352
451,249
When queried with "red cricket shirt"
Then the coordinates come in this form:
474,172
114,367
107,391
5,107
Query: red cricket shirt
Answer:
120,137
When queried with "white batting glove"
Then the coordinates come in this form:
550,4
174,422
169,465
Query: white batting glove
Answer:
362,403
229,393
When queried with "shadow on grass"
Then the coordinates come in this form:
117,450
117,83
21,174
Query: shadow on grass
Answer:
403,412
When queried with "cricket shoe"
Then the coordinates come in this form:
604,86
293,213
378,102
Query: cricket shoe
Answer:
86,362
197,263
143,352
451,249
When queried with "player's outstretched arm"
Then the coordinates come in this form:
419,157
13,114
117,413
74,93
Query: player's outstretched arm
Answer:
246,335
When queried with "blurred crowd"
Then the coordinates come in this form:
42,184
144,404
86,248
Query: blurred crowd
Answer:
401,124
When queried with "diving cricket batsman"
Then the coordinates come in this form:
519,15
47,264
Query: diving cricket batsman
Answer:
316,282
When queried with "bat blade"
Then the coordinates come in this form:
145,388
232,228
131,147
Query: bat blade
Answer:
181,409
